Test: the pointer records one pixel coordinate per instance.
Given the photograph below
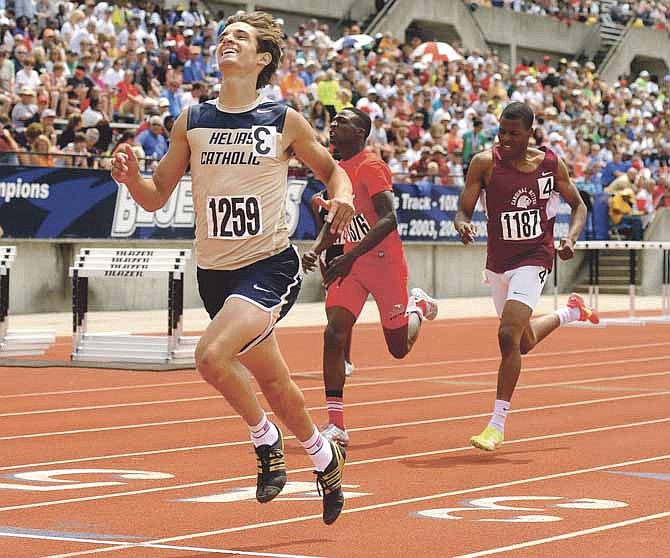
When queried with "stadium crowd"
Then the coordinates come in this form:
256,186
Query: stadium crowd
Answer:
119,75
643,13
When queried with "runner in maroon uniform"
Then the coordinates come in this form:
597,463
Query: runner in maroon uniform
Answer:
521,187
373,263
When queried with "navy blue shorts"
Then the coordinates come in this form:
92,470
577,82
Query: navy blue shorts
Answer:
271,284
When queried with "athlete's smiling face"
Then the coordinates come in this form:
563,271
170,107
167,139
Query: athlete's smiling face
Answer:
237,49
513,137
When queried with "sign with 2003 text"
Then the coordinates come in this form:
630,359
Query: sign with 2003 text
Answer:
48,202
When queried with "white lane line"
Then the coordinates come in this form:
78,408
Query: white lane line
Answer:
362,384
149,545
358,368
389,504
359,429
569,383
565,536
310,469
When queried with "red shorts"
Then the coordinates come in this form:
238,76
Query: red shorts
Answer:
385,280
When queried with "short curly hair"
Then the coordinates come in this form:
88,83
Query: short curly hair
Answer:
269,39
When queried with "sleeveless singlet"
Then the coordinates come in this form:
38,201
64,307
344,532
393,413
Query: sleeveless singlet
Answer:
521,208
239,173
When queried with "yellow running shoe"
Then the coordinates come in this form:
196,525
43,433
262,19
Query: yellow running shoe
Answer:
489,440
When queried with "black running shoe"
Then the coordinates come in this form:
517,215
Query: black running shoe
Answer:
271,470
329,484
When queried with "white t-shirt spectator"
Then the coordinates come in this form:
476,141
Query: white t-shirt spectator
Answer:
24,79
90,117
372,108
112,77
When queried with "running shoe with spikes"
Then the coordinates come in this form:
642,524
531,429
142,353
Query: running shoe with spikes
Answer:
329,484
425,303
334,433
489,440
586,314
271,470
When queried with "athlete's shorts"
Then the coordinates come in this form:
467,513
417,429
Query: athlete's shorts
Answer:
523,284
271,284
385,280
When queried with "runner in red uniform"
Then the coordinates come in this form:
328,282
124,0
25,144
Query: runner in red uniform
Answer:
373,263
521,187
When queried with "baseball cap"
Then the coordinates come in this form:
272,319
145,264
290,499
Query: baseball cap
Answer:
48,113
163,102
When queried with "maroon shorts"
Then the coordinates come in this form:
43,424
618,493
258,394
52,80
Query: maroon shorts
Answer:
385,280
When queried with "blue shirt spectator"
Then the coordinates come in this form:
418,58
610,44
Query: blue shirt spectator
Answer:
171,93
194,69
152,140
614,168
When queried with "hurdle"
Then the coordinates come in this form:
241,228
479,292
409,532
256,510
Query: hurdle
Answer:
131,263
23,342
632,247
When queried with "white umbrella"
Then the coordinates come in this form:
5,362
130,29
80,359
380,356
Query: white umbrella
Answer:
435,52
353,41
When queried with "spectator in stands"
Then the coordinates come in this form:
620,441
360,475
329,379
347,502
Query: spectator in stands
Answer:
76,154
77,88
27,76
73,126
47,119
615,168
153,141
623,182
129,100
193,97
173,94
40,152
194,70
425,183
8,147
92,115
320,121
662,193
327,90
25,111
473,141
623,213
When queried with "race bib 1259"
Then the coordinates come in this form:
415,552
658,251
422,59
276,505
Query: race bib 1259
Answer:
234,217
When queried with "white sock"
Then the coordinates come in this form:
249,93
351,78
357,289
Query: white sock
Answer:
264,433
500,410
319,450
412,307
567,315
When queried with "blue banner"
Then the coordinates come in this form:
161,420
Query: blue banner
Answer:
54,202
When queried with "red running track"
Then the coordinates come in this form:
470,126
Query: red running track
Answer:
156,465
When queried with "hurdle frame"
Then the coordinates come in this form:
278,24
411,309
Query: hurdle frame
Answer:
131,263
19,342
593,247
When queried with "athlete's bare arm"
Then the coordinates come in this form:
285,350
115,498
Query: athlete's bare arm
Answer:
324,238
152,193
569,192
479,174
301,137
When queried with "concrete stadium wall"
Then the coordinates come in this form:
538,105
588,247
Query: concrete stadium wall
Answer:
433,13
644,43
530,36
298,11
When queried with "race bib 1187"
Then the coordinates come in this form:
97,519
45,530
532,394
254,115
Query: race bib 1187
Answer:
521,225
